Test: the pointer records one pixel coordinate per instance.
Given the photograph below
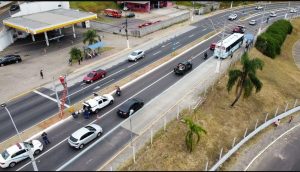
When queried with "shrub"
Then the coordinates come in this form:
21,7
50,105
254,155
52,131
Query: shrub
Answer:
270,42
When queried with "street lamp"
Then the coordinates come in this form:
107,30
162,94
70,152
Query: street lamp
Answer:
219,59
3,105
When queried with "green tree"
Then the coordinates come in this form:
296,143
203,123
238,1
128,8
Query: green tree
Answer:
75,54
91,37
246,78
194,129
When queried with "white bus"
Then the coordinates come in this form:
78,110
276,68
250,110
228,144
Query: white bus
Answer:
230,44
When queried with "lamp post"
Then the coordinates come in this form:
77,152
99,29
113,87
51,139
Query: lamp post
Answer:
219,59
262,20
3,105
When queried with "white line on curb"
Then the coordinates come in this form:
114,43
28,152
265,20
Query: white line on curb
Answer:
261,152
48,97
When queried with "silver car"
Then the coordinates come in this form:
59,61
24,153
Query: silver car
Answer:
252,22
232,17
85,135
136,55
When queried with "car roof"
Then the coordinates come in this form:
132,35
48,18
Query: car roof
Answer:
80,132
14,148
137,51
128,103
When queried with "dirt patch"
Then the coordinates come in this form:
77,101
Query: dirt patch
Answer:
54,119
280,80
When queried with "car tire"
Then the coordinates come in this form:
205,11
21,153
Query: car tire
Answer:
2,64
111,102
103,76
37,152
81,146
12,164
17,61
96,111
99,134
92,81
135,59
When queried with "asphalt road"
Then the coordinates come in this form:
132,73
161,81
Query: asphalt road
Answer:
283,155
59,148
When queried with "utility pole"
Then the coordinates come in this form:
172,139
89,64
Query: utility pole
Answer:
193,10
57,99
262,20
126,30
231,4
21,140
219,59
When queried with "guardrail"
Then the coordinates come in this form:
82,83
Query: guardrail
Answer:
253,133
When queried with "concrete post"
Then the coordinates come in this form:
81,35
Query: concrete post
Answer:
231,4
151,136
295,103
46,38
111,168
256,124
233,143
33,38
165,123
245,132
177,111
59,31
276,111
133,153
206,166
221,154
266,117
286,107
74,34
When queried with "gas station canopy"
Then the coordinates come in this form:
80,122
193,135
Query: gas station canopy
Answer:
49,20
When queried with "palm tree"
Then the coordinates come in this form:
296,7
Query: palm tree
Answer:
91,37
194,129
246,78
75,54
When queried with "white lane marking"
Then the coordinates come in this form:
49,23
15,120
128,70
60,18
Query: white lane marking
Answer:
191,36
177,46
156,53
93,83
176,43
132,65
103,84
261,152
166,44
98,119
204,29
48,97
104,136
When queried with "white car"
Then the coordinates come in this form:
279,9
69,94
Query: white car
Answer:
232,17
18,152
252,22
273,14
134,56
98,102
258,7
84,135
293,10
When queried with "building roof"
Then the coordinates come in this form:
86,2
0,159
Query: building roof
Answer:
48,20
138,2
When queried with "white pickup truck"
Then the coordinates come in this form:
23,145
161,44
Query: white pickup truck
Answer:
98,102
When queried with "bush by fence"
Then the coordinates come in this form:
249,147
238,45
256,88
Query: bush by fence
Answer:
269,42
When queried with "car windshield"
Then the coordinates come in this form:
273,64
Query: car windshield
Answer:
90,128
90,75
134,53
5,154
73,139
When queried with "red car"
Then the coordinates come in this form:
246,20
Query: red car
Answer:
239,29
94,76
212,46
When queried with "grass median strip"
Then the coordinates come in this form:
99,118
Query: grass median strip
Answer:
54,119
280,80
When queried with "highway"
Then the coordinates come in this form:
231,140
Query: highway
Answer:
33,108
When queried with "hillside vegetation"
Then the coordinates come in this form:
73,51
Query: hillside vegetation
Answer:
93,6
281,80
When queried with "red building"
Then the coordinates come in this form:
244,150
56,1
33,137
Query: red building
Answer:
144,6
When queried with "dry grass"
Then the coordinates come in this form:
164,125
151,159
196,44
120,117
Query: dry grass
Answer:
281,81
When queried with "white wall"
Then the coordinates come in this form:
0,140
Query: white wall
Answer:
6,38
40,6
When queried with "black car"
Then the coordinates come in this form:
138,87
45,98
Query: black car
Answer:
132,104
9,59
14,7
183,67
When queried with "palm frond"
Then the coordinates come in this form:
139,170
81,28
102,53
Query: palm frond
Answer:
256,82
234,75
248,87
